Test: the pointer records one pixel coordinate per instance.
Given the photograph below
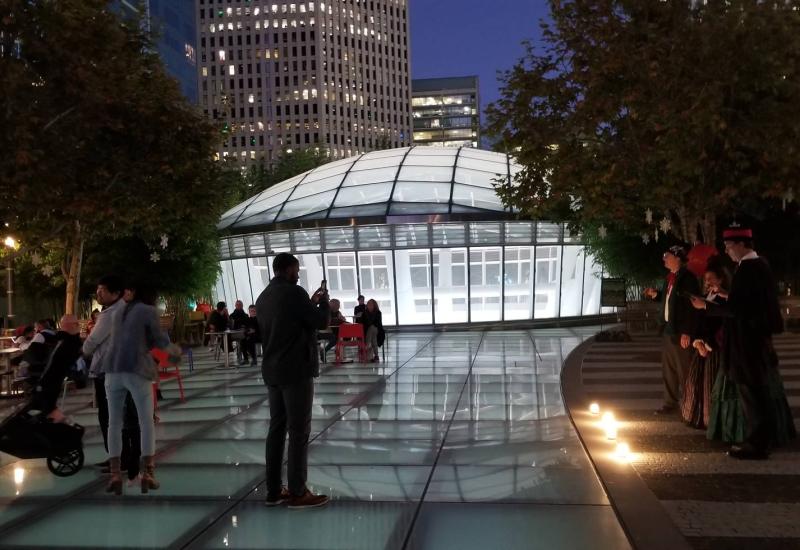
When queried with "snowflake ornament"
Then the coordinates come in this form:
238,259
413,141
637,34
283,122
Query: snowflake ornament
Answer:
602,232
154,257
164,240
648,216
787,197
36,259
645,238
656,234
665,225
48,271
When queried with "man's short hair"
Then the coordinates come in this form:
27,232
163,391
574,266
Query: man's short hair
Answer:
361,297
283,261
221,305
679,251
113,283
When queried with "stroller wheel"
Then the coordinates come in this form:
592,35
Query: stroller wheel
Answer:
66,464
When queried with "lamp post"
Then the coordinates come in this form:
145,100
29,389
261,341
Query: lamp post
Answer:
12,244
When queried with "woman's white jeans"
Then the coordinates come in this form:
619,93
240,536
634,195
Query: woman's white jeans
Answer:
372,341
117,385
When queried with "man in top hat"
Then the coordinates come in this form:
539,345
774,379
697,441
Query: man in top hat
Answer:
751,316
679,322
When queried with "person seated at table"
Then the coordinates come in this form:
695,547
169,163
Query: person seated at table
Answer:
372,319
66,351
359,310
218,320
252,336
23,336
336,319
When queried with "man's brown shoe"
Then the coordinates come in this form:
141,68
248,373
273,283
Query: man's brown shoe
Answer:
273,500
308,500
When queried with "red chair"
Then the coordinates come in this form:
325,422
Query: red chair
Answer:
166,371
351,335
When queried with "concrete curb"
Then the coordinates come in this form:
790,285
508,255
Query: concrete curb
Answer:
645,522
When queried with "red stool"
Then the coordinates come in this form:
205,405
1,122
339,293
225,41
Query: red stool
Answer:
351,335
166,371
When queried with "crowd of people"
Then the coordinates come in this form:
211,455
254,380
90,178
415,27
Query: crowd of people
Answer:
719,365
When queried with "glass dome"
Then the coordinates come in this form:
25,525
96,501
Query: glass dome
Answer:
409,181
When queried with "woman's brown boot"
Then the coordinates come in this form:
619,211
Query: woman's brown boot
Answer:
115,483
148,474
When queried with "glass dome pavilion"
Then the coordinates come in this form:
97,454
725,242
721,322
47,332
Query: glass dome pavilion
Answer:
421,230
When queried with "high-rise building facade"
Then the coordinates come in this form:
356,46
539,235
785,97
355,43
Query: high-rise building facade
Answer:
285,75
172,23
446,111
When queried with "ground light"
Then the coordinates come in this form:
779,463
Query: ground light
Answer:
594,408
607,419
611,430
19,478
623,452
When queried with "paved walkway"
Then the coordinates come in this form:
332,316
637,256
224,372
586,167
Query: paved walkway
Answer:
716,502
459,440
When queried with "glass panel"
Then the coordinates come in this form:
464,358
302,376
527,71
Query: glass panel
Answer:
256,245
519,232
410,191
229,283
370,176
259,274
242,278
485,283
483,165
262,218
417,208
341,274
450,284
483,155
431,151
383,154
548,232
476,197
314,187
363,194
310,271
377,282
571,236
425,173
390,163
306,239
359,211
571,281
591,285
484,233
224,249
374,236
307,205
429,160
262,204
278,242
451,234
411,235
413,287
219,287
519,282
329,170
338,238
547,275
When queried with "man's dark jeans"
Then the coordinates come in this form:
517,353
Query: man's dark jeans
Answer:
102,407
289,410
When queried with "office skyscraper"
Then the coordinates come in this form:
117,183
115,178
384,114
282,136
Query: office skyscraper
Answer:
446,111
284,75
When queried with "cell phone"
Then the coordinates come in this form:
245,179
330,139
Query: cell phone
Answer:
324,284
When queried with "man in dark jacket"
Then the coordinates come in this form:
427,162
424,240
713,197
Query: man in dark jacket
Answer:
289,321
679,322
66,351
751,316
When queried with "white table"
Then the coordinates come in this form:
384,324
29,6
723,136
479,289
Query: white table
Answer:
7,372
226,337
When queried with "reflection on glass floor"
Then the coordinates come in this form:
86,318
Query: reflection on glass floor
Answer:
458,441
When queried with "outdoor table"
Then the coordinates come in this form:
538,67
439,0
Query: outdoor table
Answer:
7,371
227,335
6,342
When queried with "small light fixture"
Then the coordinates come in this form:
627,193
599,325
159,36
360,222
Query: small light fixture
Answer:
19,475
594,408
611,430
608,418
623,452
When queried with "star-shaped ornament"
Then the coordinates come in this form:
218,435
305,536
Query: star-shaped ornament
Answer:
36,259
164,241
48,271
154,257
602,232
665,225
648,216
645,238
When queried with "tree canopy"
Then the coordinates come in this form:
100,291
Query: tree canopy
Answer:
101,148
646,116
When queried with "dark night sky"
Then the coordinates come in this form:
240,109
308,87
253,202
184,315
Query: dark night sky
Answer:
468,37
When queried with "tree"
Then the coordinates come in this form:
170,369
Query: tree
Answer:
640,115
100,144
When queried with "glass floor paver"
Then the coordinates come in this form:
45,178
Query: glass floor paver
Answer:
459,440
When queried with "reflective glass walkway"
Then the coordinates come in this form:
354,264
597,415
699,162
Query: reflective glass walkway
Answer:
458,441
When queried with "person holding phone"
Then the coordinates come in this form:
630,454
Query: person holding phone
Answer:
678,321
289,320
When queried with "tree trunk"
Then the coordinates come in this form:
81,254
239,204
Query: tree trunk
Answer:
73,275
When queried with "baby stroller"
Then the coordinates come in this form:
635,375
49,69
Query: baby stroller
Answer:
26,434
